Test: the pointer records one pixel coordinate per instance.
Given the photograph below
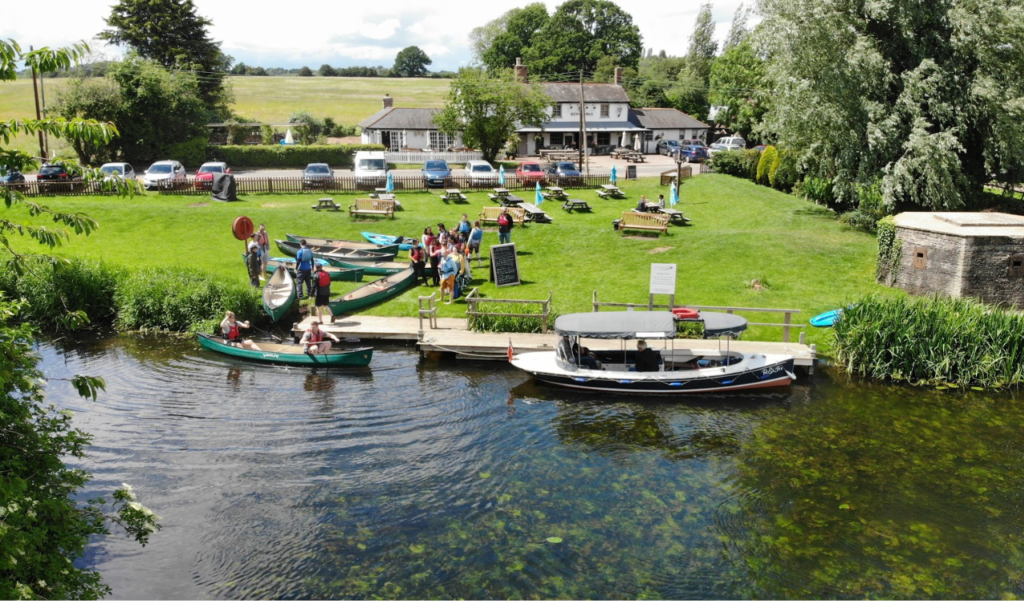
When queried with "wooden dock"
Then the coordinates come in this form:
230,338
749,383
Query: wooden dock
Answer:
452,337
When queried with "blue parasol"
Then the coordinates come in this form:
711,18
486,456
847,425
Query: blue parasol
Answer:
674,199
538,198
614,175
501,175
391,184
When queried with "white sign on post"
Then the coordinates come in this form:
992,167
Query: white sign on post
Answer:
663,279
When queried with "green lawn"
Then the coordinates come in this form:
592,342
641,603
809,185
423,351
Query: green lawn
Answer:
740,231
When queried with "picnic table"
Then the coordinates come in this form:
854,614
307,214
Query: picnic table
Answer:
534,213
633,157
454,194
577,204
555,192
619,152
382,195
611,190
327,203
512,200
499,193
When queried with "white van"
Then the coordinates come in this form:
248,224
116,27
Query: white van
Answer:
370,167
726,143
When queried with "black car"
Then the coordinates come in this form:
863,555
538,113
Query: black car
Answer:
11,176
52,174
317,175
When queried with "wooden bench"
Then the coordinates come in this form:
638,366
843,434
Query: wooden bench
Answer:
372,207
490,214
327,203
637,221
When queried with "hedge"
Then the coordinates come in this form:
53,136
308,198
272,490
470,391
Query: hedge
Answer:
287,156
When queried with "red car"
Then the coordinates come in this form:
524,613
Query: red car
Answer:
530,171
204,176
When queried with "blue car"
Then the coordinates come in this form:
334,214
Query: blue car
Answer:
11,176
435,172
563,174
693,153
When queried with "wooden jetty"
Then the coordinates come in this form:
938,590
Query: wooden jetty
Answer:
451,336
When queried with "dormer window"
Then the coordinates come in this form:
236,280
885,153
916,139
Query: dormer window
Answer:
556,111
605,110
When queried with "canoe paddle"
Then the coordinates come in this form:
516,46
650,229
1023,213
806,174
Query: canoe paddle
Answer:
266,333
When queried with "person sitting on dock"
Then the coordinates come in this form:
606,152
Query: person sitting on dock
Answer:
231,329
313,339
646,359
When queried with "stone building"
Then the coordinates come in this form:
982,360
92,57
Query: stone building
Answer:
977,255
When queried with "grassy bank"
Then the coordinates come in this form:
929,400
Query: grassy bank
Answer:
740,232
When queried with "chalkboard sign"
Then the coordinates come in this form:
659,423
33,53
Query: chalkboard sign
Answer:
630,171
504,265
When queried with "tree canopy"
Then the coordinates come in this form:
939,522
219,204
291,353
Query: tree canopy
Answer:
486,106
411,62
579,34
737,84
521,27
925,99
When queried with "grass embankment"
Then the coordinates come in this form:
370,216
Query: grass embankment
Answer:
740,232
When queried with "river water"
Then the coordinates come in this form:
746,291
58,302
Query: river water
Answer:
420,480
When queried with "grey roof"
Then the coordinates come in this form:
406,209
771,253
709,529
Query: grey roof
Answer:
401,118
573,126
617,325
592,92
655,119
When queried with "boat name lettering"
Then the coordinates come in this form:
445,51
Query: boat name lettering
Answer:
771,370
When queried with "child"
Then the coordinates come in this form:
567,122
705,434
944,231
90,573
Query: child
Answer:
253,262
464,228
476,237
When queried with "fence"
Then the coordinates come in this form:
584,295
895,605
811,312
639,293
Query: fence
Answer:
64,188
670,176
473,309
786,324
421,157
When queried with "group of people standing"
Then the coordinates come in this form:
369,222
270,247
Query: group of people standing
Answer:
257,255
449,254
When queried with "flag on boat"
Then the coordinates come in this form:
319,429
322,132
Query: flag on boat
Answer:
511,353
538,197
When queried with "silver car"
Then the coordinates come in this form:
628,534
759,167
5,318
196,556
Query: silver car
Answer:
123,169
163,172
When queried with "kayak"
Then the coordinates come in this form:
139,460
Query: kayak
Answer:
827,319
338,274
279,294
291,248
403,243
289,354
374,292
376,268
344,244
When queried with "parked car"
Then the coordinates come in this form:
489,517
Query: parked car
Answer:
727,143
370,168
693,153
760,148
11,176
530,171
564,173
435,172
694,142
667,147
204,176
317,175
53,174
481,173
163,172
123,169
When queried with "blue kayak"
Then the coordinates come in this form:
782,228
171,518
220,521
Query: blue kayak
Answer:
827,319
404,243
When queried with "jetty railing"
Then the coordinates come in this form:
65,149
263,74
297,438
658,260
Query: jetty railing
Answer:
430,311
473,301
786,324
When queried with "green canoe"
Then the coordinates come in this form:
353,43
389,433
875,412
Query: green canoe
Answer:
279,294
377,268
374,292
338,274
344,244
291,248
289,354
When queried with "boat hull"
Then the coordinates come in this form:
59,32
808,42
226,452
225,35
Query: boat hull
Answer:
279,294
375,268
338,274
290,354
291,249
374,292
344,244
388,240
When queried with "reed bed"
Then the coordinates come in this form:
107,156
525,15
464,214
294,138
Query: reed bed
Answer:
932,341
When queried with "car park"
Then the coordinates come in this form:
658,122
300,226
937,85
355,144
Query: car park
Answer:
123,169
530,171
563,173
11,176
204,176
317,175
667,147
435,172
481,172
693,153
370,168
164,172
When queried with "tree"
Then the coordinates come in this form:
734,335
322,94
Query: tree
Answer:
42,527
305,72
579,34
239,69
154,108
308,129
481,37
522,25
703,47
922,97
486,107
737,83
411,62
326,70
738,32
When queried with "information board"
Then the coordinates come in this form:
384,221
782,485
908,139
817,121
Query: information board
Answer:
663,279
504,265
631,171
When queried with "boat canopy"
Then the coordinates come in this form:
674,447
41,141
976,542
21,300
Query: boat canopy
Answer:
717,324
617,325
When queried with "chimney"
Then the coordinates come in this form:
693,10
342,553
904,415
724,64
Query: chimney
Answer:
618,75
522,72
388,101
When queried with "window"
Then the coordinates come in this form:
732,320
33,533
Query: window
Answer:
605,110
440,142
556,111
1017,266
556,138
604,138
920,258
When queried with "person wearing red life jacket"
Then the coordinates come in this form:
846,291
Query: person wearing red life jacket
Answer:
314,340
231,329
322,284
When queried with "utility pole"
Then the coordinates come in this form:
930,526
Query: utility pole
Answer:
42,98
582,128
39,115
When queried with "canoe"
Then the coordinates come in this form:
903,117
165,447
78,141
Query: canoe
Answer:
827,319
338,274
376,268
374,292
279,294
290,354
291,248
403,243
344,244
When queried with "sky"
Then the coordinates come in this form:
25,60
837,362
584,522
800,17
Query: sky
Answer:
314,32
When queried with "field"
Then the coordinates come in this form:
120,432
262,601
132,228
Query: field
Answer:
740,232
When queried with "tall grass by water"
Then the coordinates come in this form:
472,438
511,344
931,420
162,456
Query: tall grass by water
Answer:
936,341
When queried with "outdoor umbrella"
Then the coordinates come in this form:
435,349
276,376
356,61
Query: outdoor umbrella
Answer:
390,187
501,175
636,142
614,175
538,197
625,139
674,198
288,138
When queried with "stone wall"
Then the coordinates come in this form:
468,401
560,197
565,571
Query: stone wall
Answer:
941,269
994,270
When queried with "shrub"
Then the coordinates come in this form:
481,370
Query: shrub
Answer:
53,289
287,156
860,219
191,153
750,159
769,159
513,324
727,162
784,174
889,251
818,189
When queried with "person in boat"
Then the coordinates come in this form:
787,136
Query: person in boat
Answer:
476,237
419,261
582,357
231,330
464,228
314,340
263,239
646,359
304,269
322,282
253,262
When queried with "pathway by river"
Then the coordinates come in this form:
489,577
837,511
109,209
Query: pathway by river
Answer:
422,480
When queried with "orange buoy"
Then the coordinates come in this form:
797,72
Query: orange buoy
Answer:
242,228
682,313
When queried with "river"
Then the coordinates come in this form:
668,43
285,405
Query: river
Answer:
425,480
